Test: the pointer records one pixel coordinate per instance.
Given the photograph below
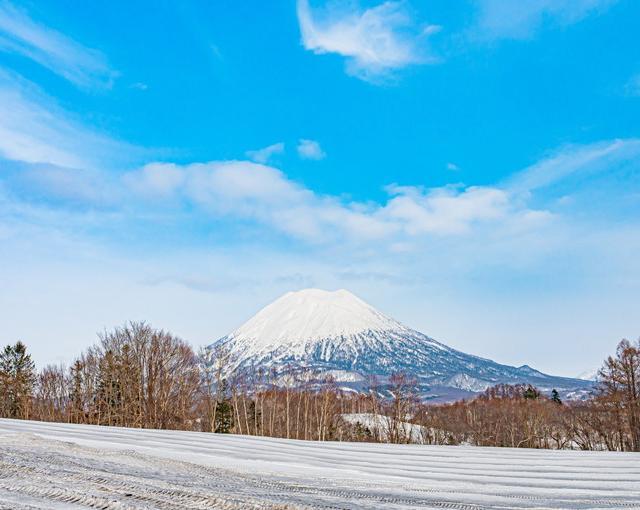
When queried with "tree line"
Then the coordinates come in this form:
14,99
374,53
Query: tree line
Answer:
139,376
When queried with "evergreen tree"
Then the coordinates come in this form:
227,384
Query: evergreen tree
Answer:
77,397
555,396
531,393
362,433
224,410
17,380
224,417
255,414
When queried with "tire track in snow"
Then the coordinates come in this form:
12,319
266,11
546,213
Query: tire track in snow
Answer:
57,477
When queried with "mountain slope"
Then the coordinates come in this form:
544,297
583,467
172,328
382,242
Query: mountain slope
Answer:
337,333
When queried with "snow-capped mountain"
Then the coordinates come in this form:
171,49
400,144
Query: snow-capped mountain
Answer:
589,375
338,334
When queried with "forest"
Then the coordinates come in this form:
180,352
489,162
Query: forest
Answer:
142,377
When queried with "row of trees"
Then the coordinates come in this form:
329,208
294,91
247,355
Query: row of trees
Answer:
137,376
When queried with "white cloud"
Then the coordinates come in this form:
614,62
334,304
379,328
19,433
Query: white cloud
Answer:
263,196
310,149
446,210
34,129
376,42
82,66
156,180
520,20
245,190
264,155
452,167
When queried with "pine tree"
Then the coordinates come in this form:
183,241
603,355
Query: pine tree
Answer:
555,396
77,397
531,393
362,433
224,411
17,380
224,417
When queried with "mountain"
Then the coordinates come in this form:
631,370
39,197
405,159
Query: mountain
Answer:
589,375
338,334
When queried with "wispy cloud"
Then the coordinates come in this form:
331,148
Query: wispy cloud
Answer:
66,186
632,87
232,191
85,67
507,19
310,149
34,129
263,196
250,191
264,155
376,42
572,160
247,191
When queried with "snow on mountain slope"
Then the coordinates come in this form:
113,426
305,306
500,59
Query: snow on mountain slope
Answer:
337,332
313,314
589,375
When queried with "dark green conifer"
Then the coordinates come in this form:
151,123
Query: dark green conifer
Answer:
17,380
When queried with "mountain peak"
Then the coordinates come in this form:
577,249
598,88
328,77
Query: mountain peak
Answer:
313,314
339,335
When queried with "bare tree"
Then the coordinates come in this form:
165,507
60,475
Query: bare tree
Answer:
620,386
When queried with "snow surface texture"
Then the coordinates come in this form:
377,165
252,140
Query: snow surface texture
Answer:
338,333
47,465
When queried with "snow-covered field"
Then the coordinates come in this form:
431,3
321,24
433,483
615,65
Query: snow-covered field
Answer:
45,465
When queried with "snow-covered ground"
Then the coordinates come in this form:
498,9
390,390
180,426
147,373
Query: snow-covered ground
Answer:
46,465
384,427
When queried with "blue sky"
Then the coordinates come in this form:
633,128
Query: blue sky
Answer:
471,168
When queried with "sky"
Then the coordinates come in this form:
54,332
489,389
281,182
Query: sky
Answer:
469,167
